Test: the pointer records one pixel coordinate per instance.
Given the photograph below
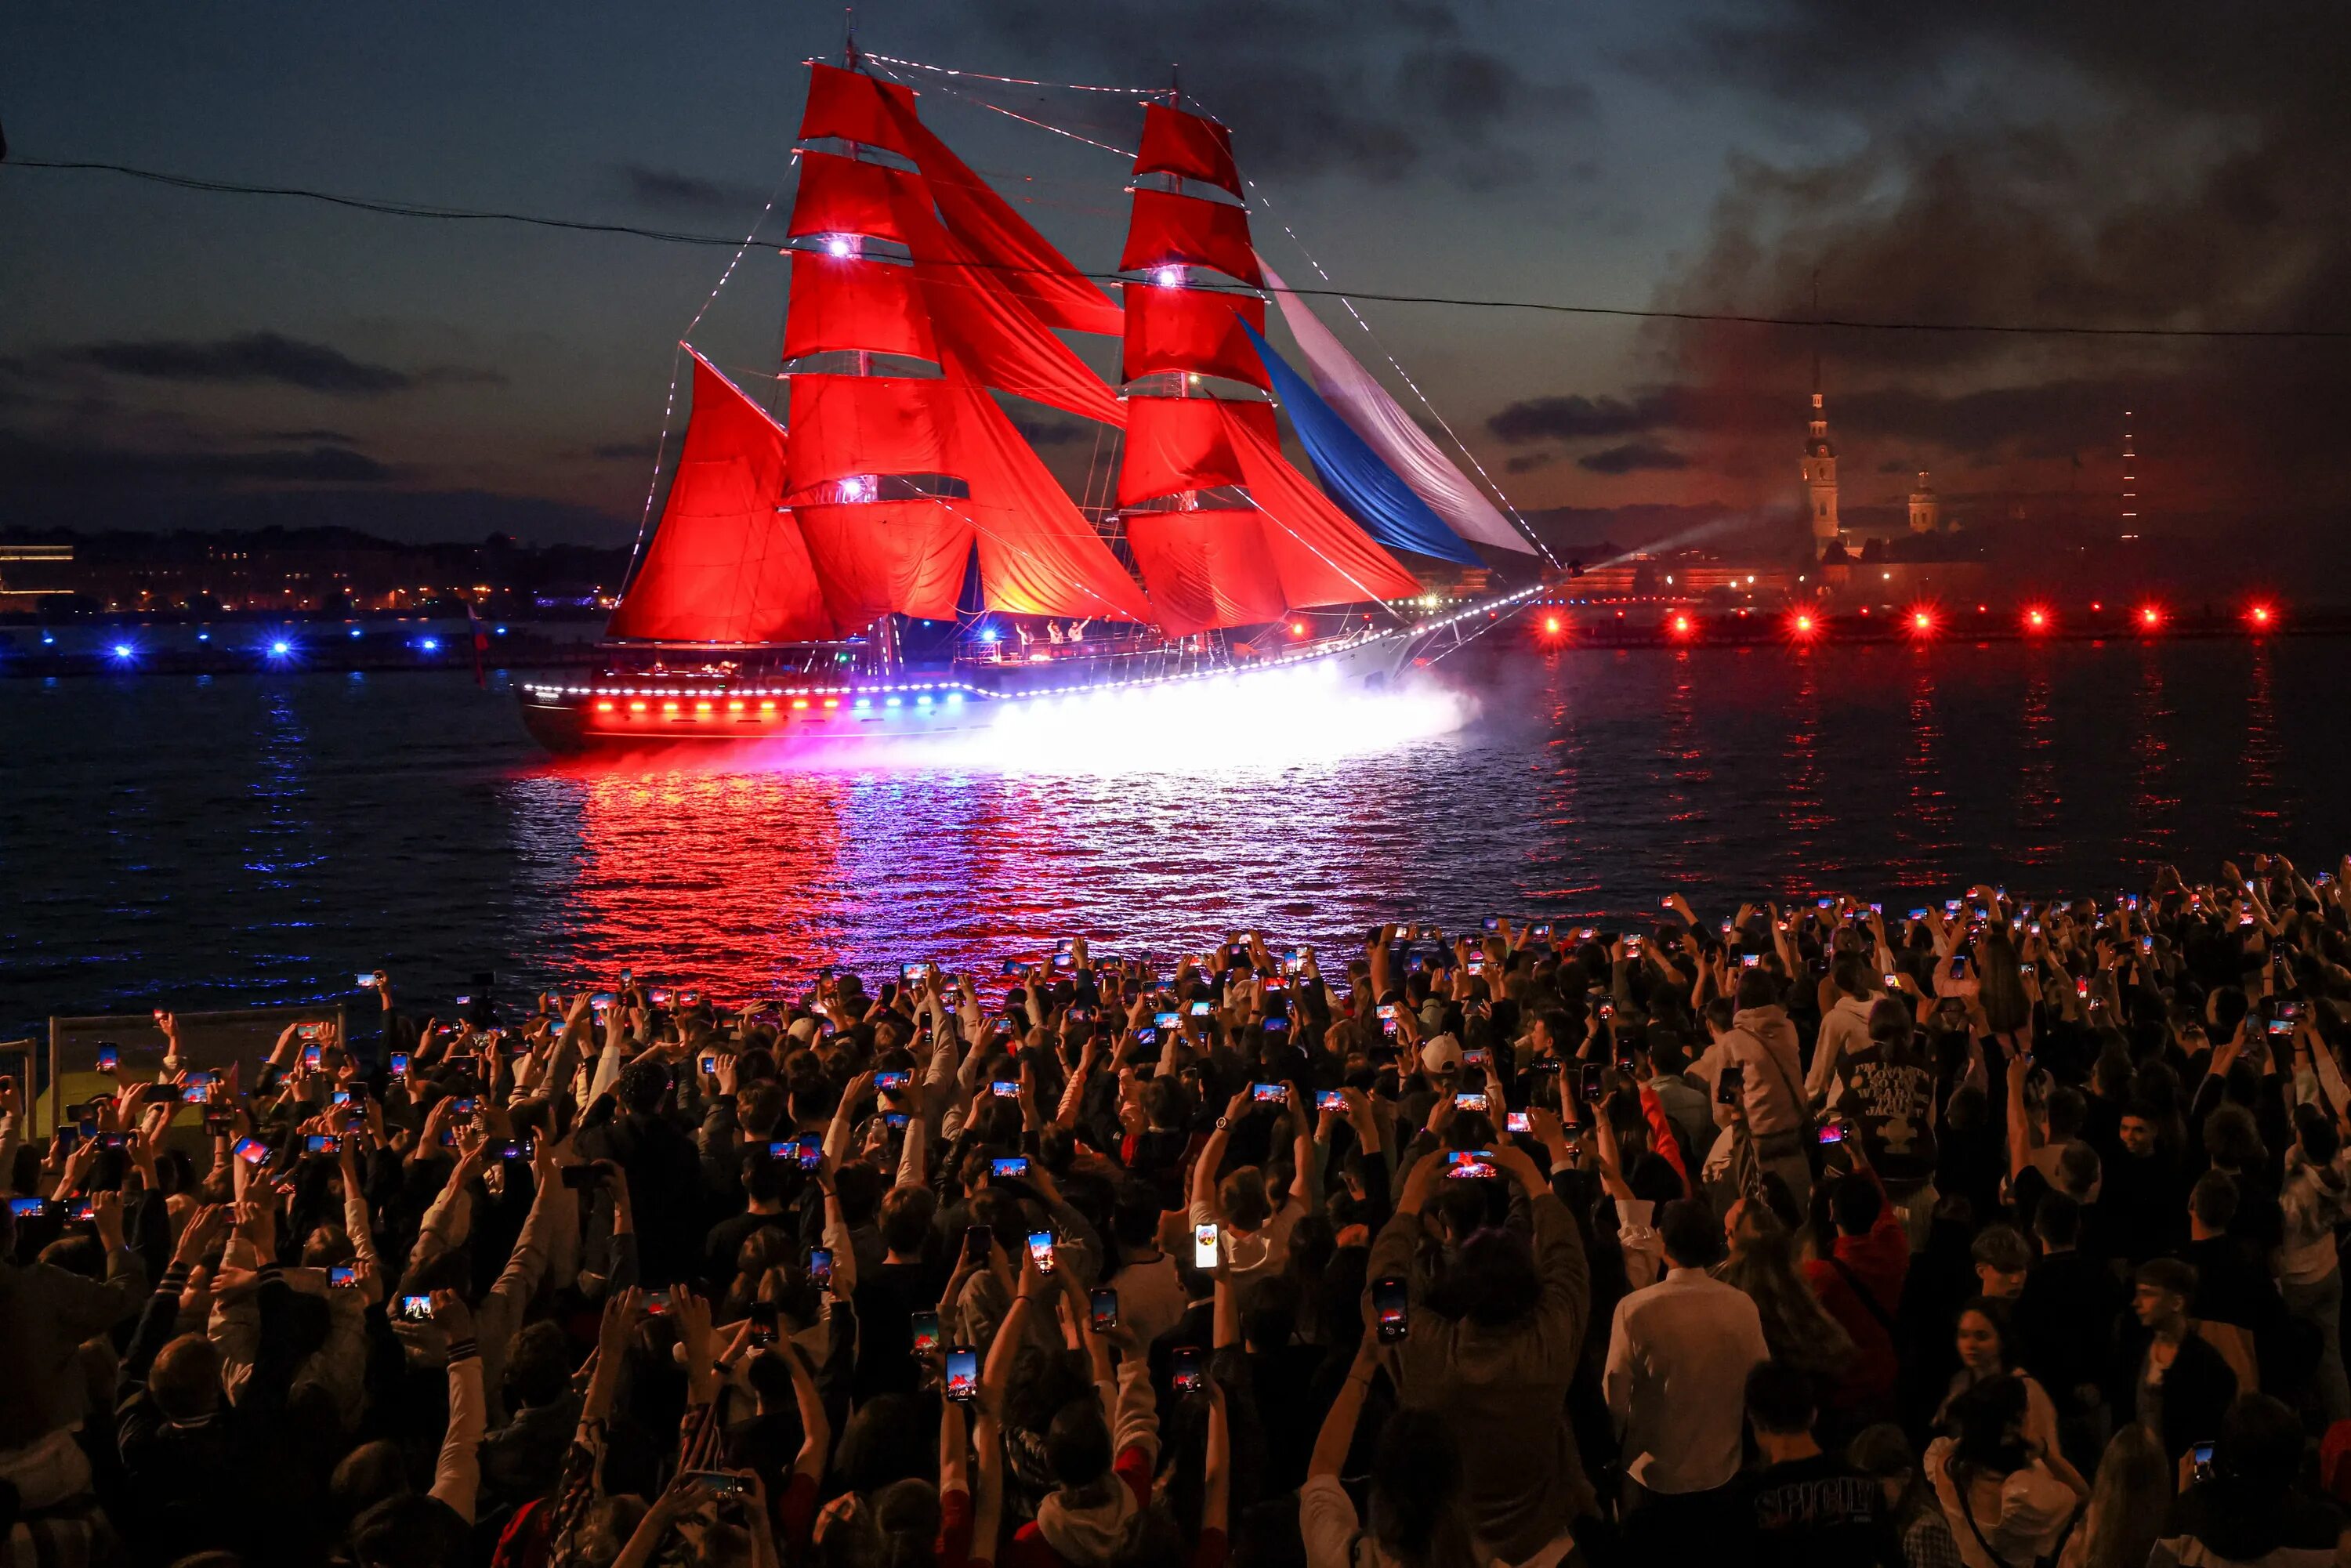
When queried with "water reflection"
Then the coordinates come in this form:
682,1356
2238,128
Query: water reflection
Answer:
2154,805
1923,829
2265,810
2036,772
1809,859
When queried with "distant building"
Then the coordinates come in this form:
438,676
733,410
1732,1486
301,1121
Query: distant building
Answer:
1924,516
1819,471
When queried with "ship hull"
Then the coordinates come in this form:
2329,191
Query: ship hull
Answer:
644,712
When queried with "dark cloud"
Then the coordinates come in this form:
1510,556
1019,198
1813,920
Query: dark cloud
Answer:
1575,415
338,437
1631,457
1379,95
1528,462
33,461
641,451
263,359
672,190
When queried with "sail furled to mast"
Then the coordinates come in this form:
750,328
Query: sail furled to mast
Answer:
1189,145
725,565
849,106
1368,488
1393,435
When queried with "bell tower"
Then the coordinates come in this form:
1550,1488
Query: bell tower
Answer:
1819,470
1925,517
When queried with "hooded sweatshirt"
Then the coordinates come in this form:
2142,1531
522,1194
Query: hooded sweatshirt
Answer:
1086,1528
1843,1029
2315,1200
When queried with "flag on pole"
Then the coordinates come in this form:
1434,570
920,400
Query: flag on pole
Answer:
481,647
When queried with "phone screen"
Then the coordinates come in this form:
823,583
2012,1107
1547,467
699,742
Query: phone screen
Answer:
1040,1248
416,1308
1591,1082
252,1151
1018,1166
1269,1093
820,1267
1731,1084
1105,1305
1189,1378
1389,1301
927,1331
963,1374
1203,1246
343,1274
1516,1122
1472,1164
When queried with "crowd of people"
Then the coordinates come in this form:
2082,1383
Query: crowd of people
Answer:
1995,1233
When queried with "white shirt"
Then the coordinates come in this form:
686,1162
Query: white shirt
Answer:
1763,1042
1678,1355
1150,1299
1844,1027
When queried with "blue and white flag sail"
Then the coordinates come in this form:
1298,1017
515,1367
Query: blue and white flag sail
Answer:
1391,434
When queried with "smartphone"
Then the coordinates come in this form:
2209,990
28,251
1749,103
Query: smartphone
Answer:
583,1178
252,1151
1517,1122
217,1123
1469,1100
1146,1036
84,1209
1004,1088
364,982
400,1064
29,1207
1731,1084
893,1080
311,1057
1105,1306
1959,967
1168,1021
2199,1459
1833,1132
926,1331
721,1482
1269,1093
345,1276
322,1143
896,1121
310,1031
1011,966
913,971
820,1267
416,1308
2280,1026
1202,1010
656,1302
1593,1083
977,1240
963,1374
108,1059
1010,1165
1203,1246
1041,1248
1276,1025
710,1063
1470,1165
1390,1300
516,1149
1749,960
168,1094
1189,1376
1474,1057
1329,1100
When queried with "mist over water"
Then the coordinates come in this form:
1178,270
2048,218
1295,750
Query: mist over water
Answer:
194,842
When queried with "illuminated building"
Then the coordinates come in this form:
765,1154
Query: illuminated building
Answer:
1819,471
1925,517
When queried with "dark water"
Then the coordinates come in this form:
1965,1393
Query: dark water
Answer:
189,842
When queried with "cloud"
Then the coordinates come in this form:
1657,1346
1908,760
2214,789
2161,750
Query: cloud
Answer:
1528,462
644,450
31,462
336,436
263,359
1571,417
674,191
1632,457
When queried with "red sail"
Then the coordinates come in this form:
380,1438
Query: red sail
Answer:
1048,282
1320,554
1175,142
845,426
1167,228
999,338
901,556
849,106
1178,444
1205,569
725,566
843,197
1037,554
1191,330
842,302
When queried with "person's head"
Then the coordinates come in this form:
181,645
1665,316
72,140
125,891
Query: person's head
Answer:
2315,1136
1855,1204
1884,1455
2001,1256
1892,1028
1757,989
408,1532
2140,1123
906,1215
184,1380
1983,1336
2212,1204
1853,977
765,1180
2260,1442
2161,1290
1243,1198
2233,1139
1692,1238
2057,1221
2128,1501
1077,1445
1418,1509
1987,1426
538,1367
1780,1401
1493,1281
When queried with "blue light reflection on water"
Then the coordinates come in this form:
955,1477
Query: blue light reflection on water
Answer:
252,838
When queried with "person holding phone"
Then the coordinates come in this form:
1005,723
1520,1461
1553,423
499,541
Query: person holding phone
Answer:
1254,1224
1770,1114
1501,1357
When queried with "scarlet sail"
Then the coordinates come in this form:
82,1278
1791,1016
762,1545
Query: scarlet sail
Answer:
1198,330
725,566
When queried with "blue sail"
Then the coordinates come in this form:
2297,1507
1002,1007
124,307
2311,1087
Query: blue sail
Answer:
1365,488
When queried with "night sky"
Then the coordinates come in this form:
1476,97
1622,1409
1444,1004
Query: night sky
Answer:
173,357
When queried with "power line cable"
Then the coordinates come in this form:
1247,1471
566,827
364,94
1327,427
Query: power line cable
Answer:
1732,318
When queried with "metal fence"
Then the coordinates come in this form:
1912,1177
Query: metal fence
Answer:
210,1042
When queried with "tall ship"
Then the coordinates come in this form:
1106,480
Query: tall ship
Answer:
886,554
